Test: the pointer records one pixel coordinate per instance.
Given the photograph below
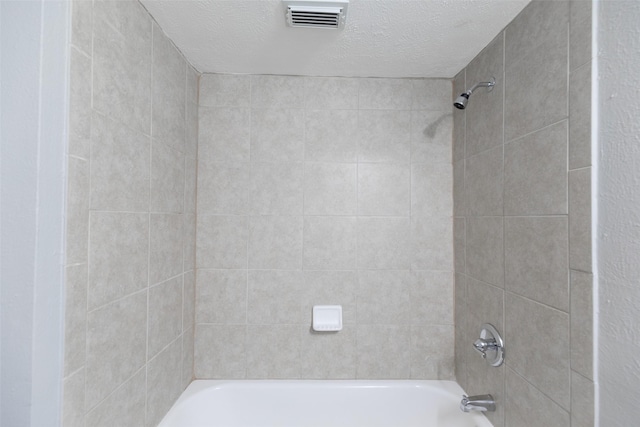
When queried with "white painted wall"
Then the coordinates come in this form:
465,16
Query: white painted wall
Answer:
618,234
33,114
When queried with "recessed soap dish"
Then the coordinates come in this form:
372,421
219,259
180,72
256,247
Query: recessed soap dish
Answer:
327,318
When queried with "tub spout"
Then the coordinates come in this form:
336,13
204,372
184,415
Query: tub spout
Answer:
482,403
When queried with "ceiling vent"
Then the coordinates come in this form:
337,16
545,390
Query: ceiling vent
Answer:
316,13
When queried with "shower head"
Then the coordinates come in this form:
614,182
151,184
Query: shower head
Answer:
462,100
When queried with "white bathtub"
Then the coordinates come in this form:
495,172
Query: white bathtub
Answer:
270,403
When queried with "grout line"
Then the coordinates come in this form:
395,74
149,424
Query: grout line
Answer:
151,147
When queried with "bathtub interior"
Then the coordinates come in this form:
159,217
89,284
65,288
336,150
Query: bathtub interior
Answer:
271,403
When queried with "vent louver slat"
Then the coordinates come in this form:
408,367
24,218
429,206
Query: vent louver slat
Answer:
317,15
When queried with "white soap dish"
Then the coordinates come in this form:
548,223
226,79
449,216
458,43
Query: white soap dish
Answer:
327,318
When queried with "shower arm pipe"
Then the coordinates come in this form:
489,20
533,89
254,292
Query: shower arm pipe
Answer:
490,84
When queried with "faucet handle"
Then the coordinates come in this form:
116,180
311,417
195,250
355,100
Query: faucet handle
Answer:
482,345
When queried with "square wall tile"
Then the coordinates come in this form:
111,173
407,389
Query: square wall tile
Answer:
190,184
484,119
167,179
191,125
80,96
330,188
431,294
224,134
331,136
125,407
164,382
122,54
328,355
277,135
460,323
82,25
73,400
527,406
385,94
431,243
277,91
188,300
582,402
484,183
118,256
582,323
432,352
383,351
485,304
329,243
384,189
431,133
188,346
547,368
220,351
485,249
221,296
116,345
165,315
189,241
330,288
459,202
223,187
222,241
275,242
331,93
168,63
384,136
75,318
383,243
431,189
165,258
536,86
274,297
168,113
77,211
431,94
580,33
273,351
540,22
580,220
535,173
536,259
276,188
119,167
225,90
580,117
383,297
459,244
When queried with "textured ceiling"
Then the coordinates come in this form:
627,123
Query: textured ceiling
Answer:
382,38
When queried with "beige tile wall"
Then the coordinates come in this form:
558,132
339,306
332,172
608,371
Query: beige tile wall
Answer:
130,274
522,226
324,191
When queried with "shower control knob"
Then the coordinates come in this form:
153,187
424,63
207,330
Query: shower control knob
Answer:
490,345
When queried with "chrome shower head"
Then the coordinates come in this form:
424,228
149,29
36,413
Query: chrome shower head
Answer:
462,100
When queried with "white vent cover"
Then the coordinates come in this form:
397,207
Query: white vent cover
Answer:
316,13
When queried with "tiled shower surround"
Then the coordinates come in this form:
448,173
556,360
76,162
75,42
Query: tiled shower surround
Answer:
130,255
522,226
324,191
327,191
